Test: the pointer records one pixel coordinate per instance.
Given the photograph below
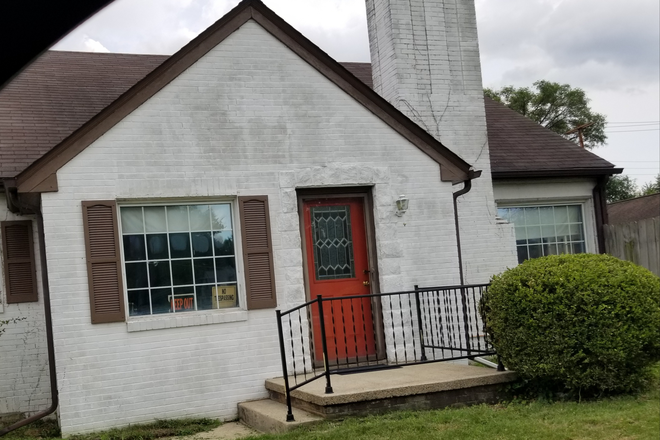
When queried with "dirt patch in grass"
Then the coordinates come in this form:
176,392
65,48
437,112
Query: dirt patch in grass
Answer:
156,430
45,430
41,429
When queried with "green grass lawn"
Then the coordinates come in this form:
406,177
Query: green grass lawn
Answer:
624,417
617,418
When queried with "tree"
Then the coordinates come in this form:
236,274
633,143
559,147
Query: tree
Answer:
620,188
651,187
557,107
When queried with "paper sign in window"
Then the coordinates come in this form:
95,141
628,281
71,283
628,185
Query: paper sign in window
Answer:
224,296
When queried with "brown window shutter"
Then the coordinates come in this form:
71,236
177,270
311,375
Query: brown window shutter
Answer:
257,252
106,292
18,256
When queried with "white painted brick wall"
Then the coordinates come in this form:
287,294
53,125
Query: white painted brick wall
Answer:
248,118
24,381
425,61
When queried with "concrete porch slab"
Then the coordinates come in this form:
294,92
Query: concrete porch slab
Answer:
395,382
426,386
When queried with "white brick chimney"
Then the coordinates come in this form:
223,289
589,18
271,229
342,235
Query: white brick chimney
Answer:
425,61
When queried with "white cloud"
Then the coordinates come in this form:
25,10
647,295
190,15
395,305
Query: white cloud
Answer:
609,48
562,37
339,27
91,45
83,43
212,10
144,26
337,15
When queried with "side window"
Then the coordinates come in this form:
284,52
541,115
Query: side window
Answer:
179,258
546,230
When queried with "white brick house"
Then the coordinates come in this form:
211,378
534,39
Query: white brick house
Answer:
174,220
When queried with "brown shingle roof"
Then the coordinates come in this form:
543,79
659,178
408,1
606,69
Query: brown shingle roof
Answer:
362,71
519,145
632,210
57,94
62,90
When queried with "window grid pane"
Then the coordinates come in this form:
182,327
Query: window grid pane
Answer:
546,230
169,285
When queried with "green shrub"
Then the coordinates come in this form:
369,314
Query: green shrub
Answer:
587,324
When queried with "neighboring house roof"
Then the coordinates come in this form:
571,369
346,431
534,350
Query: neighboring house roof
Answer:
633,210
40,175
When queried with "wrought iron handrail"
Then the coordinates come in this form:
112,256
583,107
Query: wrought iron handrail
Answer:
426,324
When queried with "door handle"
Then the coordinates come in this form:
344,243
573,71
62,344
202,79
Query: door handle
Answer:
366,283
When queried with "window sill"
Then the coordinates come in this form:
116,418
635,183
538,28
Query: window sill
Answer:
139,324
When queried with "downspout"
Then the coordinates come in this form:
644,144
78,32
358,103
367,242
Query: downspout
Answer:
466,189
36,209
600,209
467,186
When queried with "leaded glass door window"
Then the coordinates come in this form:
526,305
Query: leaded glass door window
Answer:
332,242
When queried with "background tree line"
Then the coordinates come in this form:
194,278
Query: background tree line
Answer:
622,187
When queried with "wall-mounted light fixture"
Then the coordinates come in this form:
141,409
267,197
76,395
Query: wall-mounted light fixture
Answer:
401,205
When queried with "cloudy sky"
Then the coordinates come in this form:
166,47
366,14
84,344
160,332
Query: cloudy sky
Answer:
609,48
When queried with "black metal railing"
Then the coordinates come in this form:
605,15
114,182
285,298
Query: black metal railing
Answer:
330,335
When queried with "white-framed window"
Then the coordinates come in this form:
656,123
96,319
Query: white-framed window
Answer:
546,229
179,257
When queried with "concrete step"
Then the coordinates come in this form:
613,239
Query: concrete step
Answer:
270,417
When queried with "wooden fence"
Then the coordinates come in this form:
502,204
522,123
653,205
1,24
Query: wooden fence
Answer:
638,242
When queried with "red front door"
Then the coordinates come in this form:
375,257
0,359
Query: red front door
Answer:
338,266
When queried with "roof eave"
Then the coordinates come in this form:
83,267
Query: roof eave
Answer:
574,172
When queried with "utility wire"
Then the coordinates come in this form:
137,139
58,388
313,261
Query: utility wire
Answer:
632,125
634,122
632,131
